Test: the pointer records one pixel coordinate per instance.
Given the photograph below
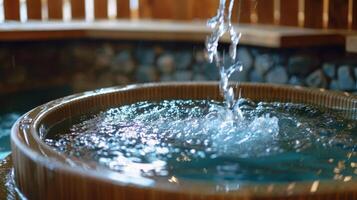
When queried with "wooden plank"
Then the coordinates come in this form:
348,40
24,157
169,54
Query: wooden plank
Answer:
354,14
12,9
183,9
123,8
351,44
168,9
163,9
55,9
186,9
244,11
145,10
34,9
264,36
265,11
289,10
338,14
204,9
101,9
40,35
78,9
313,13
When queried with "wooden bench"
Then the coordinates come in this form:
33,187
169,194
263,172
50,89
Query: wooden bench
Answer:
351,44
268,23
259,35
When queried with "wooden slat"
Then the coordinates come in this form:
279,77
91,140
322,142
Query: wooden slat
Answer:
145,9
168,9
123,8
183,9
54,9
12,9
188,9
162,9
78,9
210,9
354,14
313,13
265,11
289,12
101,9
40,35
264,36
245,11
338,14
34,9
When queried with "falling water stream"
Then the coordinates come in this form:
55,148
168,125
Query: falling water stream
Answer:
222,24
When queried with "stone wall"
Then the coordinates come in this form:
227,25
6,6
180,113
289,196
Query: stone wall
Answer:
88,64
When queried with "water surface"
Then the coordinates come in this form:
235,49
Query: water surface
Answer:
203,140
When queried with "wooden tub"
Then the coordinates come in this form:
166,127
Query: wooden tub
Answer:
42,173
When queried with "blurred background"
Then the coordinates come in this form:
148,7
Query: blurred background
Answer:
53,48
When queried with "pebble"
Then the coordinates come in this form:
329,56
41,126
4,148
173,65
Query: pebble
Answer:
345,78
183,75
317,79
123,63
294,80
329,69
145,56
263,63
277,75
166,64
256,77
245,57
146,73
302,65
183,60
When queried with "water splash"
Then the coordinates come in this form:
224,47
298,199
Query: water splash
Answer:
198,139
222,24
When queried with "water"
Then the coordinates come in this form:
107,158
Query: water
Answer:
6,121
198,140
220,25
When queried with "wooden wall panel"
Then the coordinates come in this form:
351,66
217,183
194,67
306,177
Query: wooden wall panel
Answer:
354,14
204,9
145,9
167,9
101,9
12,9
338,14
184,9
265,11
55,9
163,9
34,9
244,11
190,9
289,10
313,13
78,9
123,8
